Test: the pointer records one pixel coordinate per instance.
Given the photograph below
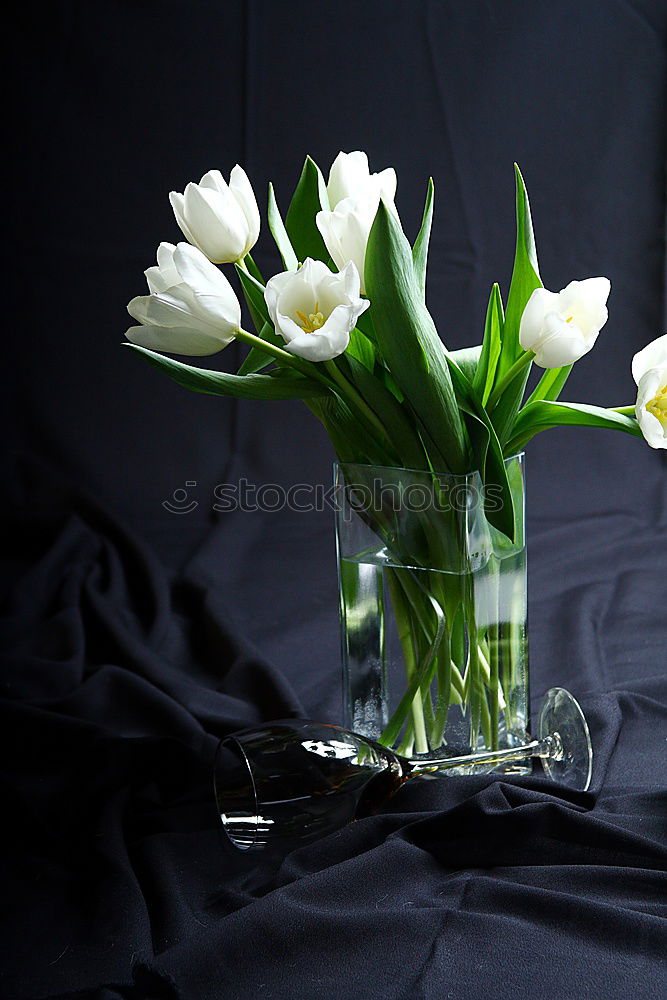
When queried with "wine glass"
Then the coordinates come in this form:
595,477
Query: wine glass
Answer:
286,783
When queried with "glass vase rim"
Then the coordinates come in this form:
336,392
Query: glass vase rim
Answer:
424,472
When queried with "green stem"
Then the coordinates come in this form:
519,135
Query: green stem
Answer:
304,367
274,351
627,411
354,398
406,637
494,581
248,265
508,378
476,688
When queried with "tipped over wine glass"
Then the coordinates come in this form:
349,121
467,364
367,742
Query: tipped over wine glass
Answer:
286,783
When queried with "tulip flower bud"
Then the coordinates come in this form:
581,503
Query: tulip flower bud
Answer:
561,327
191,309
220,219
350,177
354,195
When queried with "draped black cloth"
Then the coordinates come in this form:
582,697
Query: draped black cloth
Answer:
135,635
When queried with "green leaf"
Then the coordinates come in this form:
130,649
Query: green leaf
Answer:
409,343
361,348
257,359
488,453
525,279
309,198
276,385
254,270
350,441
279,233
384,404
543,414
390,383
253,292
365,324
467,358
550,385
420,249
486,369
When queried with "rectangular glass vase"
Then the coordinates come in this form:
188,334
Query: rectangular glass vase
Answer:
433,611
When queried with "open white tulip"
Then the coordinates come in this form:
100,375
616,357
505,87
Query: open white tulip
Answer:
560,327
649,370
350,177
314,310
191,309
221,219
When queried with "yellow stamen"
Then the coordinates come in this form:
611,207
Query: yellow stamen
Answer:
658,405
313,321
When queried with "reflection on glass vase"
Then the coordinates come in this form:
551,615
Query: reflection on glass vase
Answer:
433,610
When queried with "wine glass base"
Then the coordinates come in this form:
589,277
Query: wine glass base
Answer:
561,717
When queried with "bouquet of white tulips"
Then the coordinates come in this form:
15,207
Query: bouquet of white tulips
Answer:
345,327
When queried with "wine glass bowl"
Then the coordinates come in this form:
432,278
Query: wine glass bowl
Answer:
292,781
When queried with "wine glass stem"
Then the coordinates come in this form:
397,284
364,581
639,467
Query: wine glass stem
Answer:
550,746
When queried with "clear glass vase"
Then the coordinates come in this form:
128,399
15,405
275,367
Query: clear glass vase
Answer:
433,610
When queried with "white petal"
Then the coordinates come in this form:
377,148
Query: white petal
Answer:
539,304
352,281
586,301
324,223
340,322
273,290
652,429
214,181
651,382
175,340
345,232
654,355
298,294
288,329
177,202
211,288
594,290
316,271
165,255
197,271
386,181
168,310
318,346
560,343
242,190
348,177
165,274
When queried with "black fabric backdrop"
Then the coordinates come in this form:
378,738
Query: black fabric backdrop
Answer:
136,637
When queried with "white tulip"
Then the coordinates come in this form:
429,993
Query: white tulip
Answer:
354,195
345,232
649,370
314,310
191,309
220,219
560,327
350,177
